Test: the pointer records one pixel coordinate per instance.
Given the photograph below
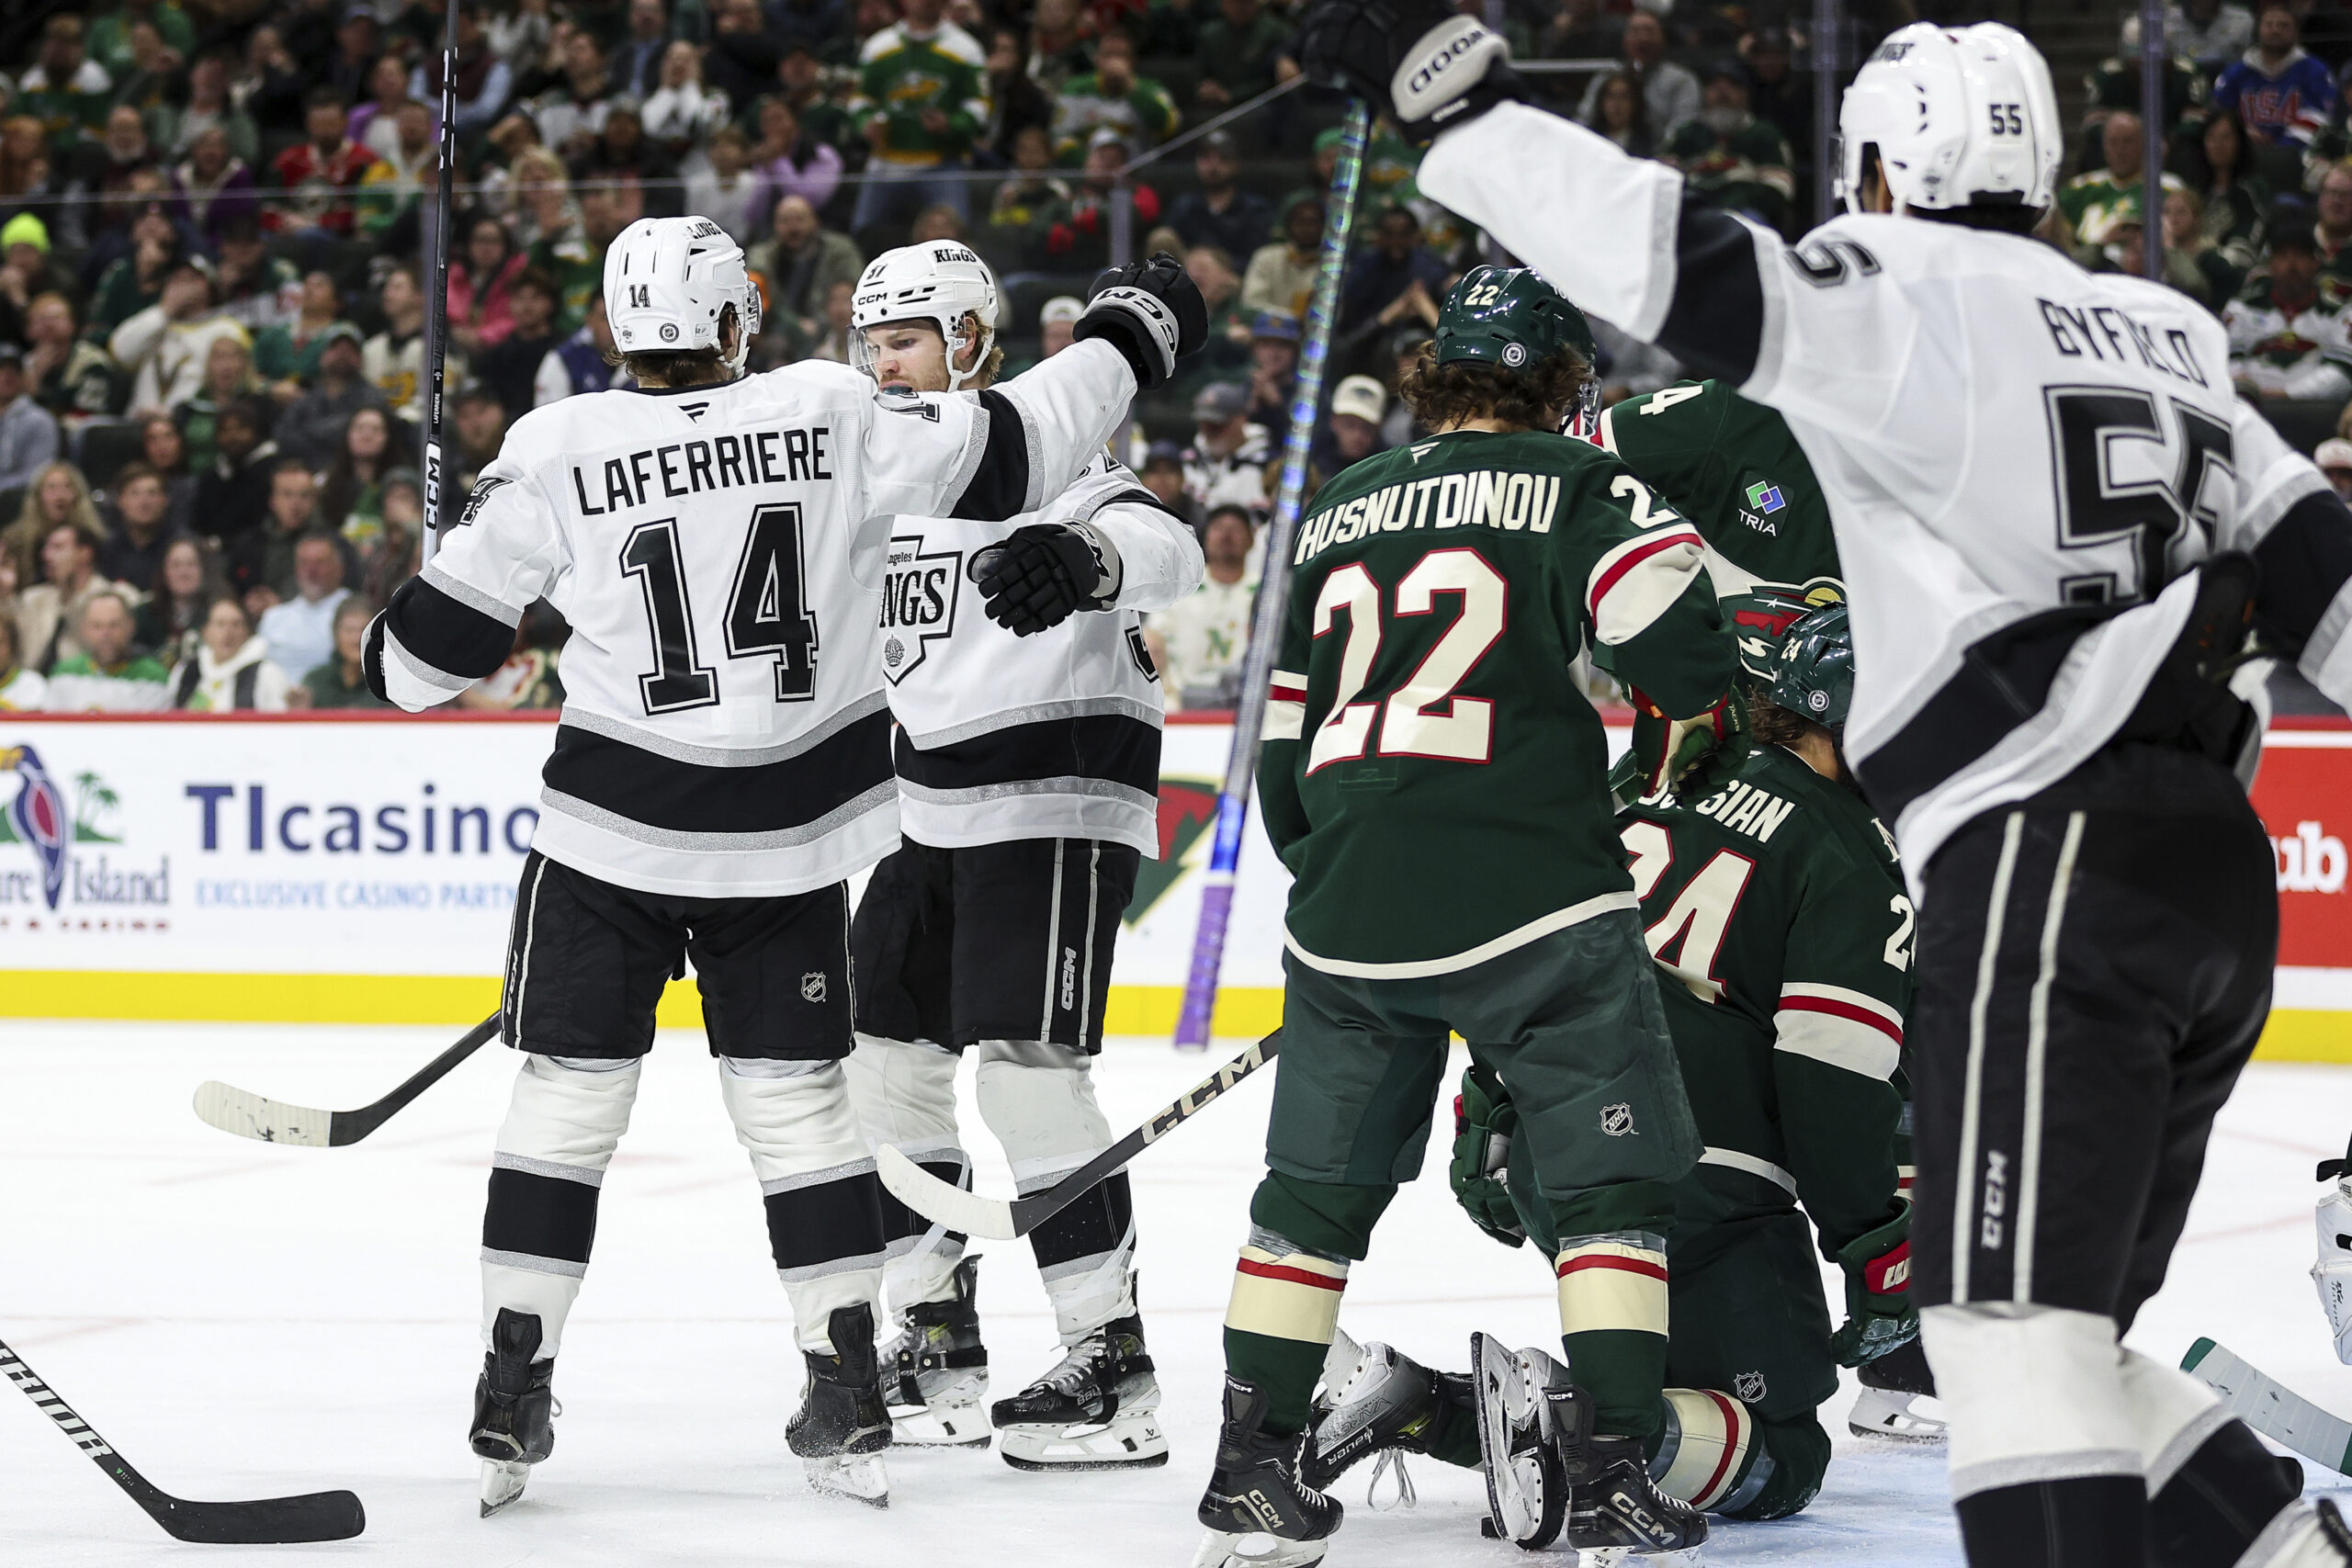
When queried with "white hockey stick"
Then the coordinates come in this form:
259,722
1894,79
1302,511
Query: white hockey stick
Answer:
996,1219
2271,1408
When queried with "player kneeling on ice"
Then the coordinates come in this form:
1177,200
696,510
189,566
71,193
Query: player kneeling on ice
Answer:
722,765
1436,781
2059,652
1776,915
1028,766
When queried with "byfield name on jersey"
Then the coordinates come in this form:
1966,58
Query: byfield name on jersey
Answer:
1490,498
689,467
2093,331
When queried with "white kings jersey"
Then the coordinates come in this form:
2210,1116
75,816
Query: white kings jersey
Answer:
724,732
2022,460
1054,736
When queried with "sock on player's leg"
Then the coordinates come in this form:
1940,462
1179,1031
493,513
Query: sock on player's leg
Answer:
2046,1450
565,1120
817,1183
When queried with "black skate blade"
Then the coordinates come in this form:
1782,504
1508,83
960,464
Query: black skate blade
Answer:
1151,1461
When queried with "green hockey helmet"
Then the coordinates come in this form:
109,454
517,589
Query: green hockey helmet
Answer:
1510,318
1813,675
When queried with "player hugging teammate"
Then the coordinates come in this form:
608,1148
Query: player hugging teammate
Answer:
722,765
1028,770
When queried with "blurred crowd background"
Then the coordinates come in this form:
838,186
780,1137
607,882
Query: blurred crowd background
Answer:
215,215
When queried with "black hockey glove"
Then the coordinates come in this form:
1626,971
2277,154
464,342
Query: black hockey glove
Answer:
1041,575
1878,1314
1428,66
1151,311
1484,1120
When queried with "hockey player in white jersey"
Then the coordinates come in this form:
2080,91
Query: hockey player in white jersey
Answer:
1028,766
2060,527
722,764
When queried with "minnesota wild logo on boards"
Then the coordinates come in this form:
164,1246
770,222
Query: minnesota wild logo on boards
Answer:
1187,808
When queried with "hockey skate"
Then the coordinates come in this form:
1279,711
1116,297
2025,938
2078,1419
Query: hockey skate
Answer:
1258,1512
514,1408
1377,1401
936,1370
843,1424
1097,1410
1549,1476
1898,1399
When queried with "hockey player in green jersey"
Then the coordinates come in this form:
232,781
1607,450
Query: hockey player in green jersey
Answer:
1775,910
1435,781
1733,468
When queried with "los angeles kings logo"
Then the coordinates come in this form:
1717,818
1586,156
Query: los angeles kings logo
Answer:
919,593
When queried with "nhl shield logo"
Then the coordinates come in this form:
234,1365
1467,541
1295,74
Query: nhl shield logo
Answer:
812,986
1617,1121
1749,1386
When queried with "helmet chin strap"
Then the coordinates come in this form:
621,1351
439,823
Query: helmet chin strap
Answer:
955,345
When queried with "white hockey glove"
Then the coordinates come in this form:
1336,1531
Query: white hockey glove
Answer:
2332,1272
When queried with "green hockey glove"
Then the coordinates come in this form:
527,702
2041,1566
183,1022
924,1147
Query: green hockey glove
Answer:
1484,1120
1878,1314
1665,748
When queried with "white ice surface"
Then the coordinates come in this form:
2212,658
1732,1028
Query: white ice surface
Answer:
243,1320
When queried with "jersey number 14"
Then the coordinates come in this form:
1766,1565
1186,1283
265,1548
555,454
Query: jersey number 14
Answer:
767,610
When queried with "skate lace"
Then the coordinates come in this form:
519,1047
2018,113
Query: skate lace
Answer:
1084,1369
1387,1462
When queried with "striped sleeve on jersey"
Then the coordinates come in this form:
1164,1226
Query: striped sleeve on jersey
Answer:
1285,705
1634,584
1843,1028
436,637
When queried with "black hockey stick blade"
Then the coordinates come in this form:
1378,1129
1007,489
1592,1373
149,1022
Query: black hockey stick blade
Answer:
265,1521
250,1115
996,1219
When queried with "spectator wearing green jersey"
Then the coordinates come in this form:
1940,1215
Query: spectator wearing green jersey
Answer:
923,104
1240,54
1729,158
111,674
67,91
1111,95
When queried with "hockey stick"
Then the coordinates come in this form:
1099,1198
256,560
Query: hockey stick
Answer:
995,1219
2271,1408
314,1516
437,293
249,1115
1274,590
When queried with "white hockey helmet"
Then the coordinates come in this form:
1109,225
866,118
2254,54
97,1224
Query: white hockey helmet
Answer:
940,281
666,282
1960,117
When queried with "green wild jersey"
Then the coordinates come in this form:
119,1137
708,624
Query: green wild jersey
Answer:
1773,903
1733,468
1434,775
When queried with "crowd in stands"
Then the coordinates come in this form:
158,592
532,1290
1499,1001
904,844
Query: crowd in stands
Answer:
214,216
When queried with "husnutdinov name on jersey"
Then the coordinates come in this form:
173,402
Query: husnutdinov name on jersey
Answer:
688,467
1489,497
